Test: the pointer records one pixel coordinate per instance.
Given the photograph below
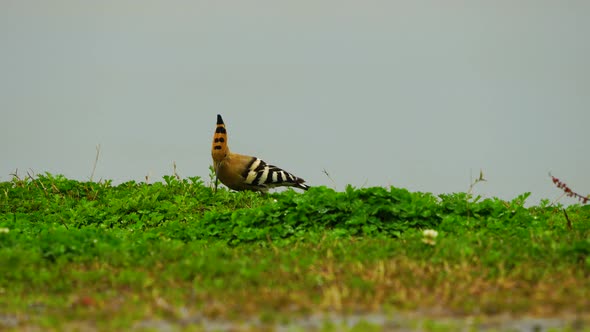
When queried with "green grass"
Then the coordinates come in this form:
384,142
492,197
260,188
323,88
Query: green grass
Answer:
81,255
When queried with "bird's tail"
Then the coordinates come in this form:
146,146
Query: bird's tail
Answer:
299,184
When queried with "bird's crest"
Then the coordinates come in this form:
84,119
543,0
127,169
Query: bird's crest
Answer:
219,149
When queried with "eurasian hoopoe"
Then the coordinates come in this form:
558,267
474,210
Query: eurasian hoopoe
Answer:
239,172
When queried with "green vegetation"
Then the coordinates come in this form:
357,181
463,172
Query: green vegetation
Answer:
86,255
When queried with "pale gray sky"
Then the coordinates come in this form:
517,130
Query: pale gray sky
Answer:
416,94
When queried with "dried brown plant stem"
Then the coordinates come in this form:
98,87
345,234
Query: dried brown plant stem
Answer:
567,191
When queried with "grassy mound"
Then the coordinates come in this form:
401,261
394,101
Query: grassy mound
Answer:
75,251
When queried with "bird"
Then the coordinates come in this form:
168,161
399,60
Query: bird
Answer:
240,172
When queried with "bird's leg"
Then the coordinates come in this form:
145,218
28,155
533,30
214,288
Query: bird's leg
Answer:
216,181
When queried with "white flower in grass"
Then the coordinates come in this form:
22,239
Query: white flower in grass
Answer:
428,236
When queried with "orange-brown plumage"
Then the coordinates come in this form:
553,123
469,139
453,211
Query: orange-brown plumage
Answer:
241,172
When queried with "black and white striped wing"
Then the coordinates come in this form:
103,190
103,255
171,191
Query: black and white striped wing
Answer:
260,174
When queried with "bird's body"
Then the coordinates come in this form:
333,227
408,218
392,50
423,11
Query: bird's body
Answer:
240,172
